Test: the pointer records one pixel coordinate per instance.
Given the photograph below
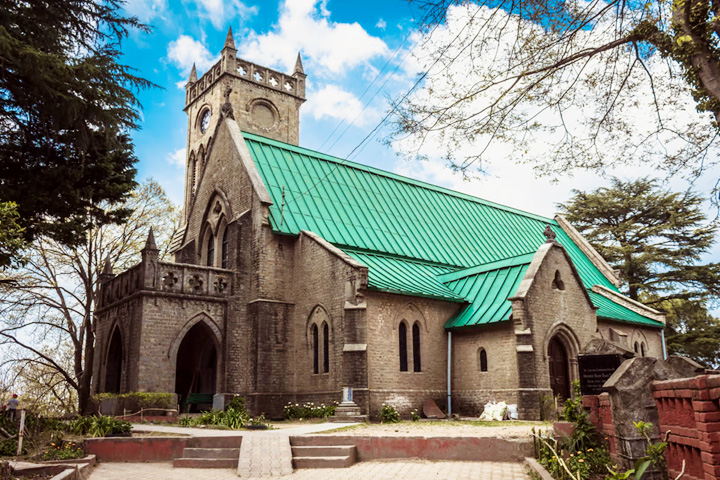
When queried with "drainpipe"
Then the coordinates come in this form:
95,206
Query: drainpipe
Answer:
449,373
662,336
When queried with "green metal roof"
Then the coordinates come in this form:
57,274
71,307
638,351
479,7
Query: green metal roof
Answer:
397,275
488,292
415,238
609,310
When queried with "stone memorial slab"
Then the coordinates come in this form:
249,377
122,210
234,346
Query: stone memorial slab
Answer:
431,410
595,370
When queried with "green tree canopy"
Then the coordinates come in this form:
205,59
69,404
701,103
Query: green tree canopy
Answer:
655,237
692,331
66,107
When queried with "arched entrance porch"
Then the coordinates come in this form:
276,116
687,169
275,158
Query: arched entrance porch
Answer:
196,365
558,363
113,364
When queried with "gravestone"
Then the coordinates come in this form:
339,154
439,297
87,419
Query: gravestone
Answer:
595,370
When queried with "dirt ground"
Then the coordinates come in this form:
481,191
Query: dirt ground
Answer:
438,428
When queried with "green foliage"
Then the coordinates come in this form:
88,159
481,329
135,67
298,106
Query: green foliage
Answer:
145,400
389,414
67,105
99,426
8,448
692,332
234,416
308,410
63,451
655,237
11,234
414,416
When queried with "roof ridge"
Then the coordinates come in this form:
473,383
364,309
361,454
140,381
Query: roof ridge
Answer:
396,256
395,176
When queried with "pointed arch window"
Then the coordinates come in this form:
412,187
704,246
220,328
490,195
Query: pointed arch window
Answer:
326,348
417,367
482,360
636,347
316,348
402,338
224,253
210,254
642,349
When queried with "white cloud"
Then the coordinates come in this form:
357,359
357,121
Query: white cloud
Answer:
335,102
185,51
329,47
145,10
222,12
177,158
381,24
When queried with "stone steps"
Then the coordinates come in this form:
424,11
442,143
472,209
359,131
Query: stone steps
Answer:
210,452
233,453
331,456
205,463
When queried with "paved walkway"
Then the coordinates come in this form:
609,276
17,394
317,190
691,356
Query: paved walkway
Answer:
375,470
265,455
211,432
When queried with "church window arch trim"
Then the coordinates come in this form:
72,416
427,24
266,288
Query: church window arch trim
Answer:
482,360
319,334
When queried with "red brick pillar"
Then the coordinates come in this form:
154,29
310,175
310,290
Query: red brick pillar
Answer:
690,409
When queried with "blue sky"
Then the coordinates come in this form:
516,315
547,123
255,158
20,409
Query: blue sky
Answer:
345,46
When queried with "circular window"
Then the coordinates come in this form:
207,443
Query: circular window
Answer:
205,121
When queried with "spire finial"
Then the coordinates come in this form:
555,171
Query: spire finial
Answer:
193,75
150,242
229,40
549,234
298,65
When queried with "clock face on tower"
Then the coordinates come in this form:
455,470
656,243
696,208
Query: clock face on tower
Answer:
205,121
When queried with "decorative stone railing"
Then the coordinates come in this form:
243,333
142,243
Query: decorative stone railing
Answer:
176,278
251,72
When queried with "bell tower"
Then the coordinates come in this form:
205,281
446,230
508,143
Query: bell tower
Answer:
264,101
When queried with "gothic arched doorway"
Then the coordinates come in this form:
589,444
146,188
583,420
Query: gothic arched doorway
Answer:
113,366
559,369
196,366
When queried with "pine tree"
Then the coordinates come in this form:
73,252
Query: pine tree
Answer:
66,107
655,237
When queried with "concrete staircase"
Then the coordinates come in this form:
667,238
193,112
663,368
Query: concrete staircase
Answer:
210,452
321,456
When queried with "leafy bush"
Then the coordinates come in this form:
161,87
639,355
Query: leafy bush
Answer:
389,414
8,448
63,451
99,426
234,416
414,415
145,400
295,411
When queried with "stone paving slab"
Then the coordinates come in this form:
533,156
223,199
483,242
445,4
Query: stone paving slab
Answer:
375,470
265,456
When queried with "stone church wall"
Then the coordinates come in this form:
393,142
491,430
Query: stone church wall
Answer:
630,334
473,388
550,302
406,390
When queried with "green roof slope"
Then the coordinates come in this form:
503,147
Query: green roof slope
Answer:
610,310
409,232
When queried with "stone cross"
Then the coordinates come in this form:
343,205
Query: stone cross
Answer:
550,234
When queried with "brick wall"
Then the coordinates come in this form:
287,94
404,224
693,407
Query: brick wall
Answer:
690,410
473,388
598,407
387,384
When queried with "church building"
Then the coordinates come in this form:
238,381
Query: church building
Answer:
296,274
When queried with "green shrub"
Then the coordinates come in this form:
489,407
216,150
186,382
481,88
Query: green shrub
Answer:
295,411
145,400
414,416
389,414
8,448
99,426
63,451
234,416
